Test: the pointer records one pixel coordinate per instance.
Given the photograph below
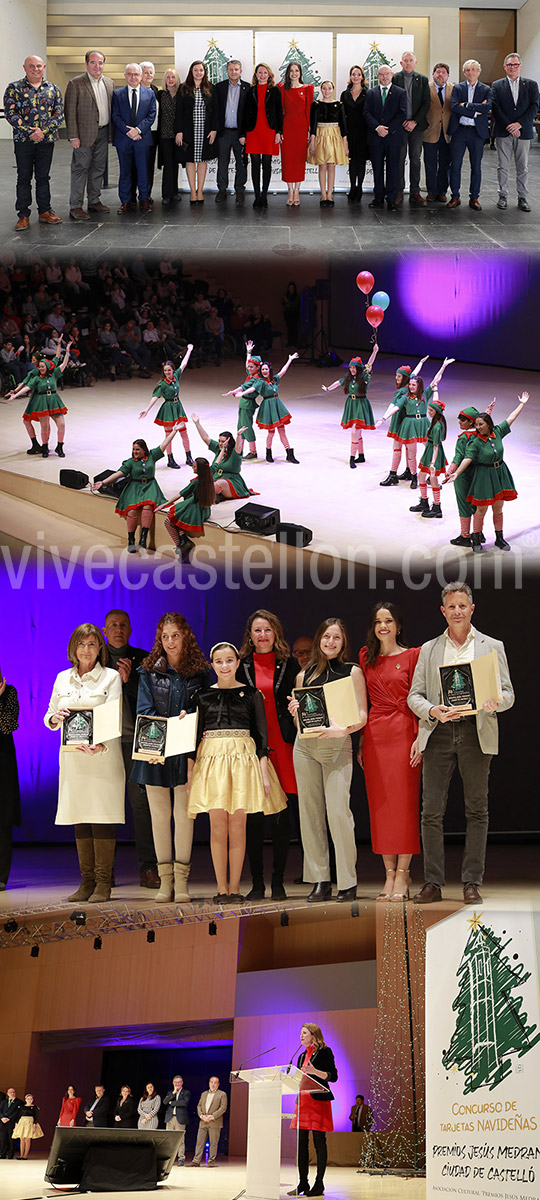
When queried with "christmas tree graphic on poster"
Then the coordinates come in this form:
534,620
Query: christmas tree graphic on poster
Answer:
375,59
215,61
491,1025
295,53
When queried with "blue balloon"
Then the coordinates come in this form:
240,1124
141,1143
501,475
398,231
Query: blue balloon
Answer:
382,299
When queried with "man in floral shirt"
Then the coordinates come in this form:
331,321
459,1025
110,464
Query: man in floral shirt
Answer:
34,109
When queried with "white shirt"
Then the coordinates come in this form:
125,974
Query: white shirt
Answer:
209,1099
470,96
457,654
102,99
514,88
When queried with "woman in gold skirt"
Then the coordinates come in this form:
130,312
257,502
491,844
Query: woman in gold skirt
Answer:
328,145
231,775
27,1126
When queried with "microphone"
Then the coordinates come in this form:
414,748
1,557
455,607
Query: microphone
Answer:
291,1058
235,1074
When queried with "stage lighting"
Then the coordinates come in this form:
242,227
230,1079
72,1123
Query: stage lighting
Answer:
78,917
11,926
34,953
212,929
97,943
284,918
151,937
355,911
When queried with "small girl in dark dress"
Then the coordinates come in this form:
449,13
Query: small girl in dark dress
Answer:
27,1127
328,140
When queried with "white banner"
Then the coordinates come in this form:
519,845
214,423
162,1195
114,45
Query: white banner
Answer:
483,1055
214,49
314,53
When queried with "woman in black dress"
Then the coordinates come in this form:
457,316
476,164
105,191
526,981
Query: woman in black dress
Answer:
195,127
10,811
125,1111
353,100
167,152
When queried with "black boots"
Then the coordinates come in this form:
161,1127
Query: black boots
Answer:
131,547
390,481
60,450
434,511
142,538
405,475
290,455
352,462
321,891
269,455
172,463
189,460
500,542
476,542
35,448
421,507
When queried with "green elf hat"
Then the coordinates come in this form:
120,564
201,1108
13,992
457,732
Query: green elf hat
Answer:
438,405
470,413
407,371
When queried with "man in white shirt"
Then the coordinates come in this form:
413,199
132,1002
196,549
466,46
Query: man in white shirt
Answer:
448,738
87,110
515,103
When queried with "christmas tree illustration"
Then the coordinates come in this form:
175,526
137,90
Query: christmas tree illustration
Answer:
375,59
310,73
490,1024
215,62
310,705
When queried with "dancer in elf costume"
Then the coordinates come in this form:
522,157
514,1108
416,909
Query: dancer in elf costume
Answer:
403,375
44,402
188,511
358,413
141,494
172,412
466,421
433,462
414,426
272,412
248,404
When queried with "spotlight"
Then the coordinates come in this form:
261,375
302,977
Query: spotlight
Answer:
97,943
11,926
212,929
284,919
355,911
151,937
78,917
34,953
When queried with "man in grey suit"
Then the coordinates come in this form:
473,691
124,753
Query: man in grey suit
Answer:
515,103
88,119
448,739
211,1109
418,99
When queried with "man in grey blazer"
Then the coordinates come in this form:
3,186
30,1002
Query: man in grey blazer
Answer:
211,1109
87,110
447,739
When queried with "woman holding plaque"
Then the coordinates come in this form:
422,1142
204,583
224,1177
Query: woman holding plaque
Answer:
313,1109
323,768
388,753
267,664
169,678
231,776
92,780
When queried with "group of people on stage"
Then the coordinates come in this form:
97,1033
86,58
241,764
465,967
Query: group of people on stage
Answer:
192,122
249,761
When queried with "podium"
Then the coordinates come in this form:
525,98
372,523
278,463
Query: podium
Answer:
266,1087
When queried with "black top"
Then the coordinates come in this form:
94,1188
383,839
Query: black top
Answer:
334,670
233,708
183,123
327,112
29,1110
127,1111
354,120
129,689
285,673
273,107
323,1060
100,1114
11,796
221,92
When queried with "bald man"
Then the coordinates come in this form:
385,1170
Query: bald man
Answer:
35,111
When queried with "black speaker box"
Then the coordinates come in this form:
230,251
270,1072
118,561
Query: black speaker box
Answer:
256,518
111,489
294,535
73,479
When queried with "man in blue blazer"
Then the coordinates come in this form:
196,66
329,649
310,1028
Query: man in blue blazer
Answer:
133,114
385,110
515,103
230,96
469,129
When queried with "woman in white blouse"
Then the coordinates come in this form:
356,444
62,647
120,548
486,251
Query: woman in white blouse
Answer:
92,779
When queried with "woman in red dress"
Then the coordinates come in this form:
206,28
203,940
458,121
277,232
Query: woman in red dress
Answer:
262,126
389,752
70,1107
313,1109
267,663
297,98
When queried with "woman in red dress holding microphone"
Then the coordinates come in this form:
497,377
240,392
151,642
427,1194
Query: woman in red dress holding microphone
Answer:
314,1109
389,752
297,98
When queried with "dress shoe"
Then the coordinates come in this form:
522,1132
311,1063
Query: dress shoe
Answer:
221,898
240,197
256,893
376,203
235,898
474,203
429,894
124,208
523,204
391,206
461,541
144,206
50,218
399,198
22,225
193,1164
210,1164
346,894
150,878
278,891
98,207
317,1188
431,198
78,214
441,198
454,202
321,891
471,895
502,202
221,196
417,199
301,1189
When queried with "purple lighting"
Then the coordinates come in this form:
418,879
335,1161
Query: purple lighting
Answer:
453,295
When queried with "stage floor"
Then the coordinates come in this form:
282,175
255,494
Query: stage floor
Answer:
351,516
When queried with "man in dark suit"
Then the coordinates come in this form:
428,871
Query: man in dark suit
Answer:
436,136
133,114
361,1116
148,76
515,103
469,129
418,100
176,1113
10,1108
126,659
97,1110
385,110
87,109
230,96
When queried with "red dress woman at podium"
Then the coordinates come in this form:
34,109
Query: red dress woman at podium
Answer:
313,1109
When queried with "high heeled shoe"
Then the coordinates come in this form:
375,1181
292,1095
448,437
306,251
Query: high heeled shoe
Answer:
390,874
400,897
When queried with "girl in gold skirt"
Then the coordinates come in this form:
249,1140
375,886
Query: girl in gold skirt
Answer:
328,140
27,1126
231,775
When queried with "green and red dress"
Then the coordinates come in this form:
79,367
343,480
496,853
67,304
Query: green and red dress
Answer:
358,412
187,513
172,411
397,417
247,407
141,486
434,439
272,412
229,469
462,485
44,399
415,422
491,479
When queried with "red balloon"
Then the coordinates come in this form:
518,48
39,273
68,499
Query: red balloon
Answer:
365,281
374,314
